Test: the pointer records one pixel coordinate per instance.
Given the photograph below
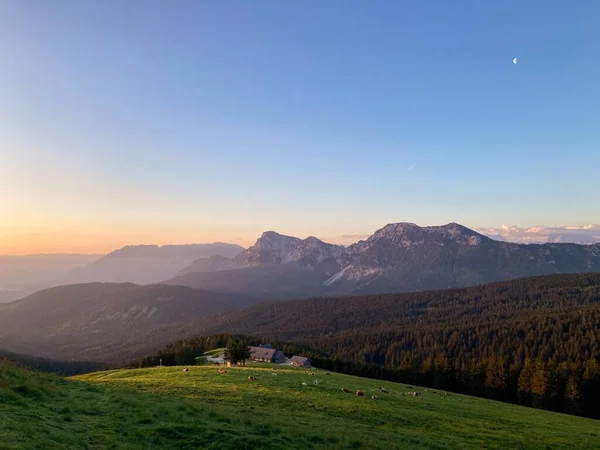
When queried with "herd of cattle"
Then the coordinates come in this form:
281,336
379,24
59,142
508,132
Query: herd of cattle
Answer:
358,393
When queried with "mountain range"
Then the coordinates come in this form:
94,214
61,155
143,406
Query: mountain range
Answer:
118,320
398,257
142,264
145,264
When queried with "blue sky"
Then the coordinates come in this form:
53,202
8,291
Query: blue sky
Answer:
150,121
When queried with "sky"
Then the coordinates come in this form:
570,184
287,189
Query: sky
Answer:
198,121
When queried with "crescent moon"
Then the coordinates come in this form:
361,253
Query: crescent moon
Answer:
515,61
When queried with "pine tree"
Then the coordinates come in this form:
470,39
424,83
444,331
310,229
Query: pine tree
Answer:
440,368
405,364
539,384
553,395
237,351
495,376
525,383
573,396
427,371
590,388
592,370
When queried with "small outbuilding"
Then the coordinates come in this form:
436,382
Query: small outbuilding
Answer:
300,361
279,357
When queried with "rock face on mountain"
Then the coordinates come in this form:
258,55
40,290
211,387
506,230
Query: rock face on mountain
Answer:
274,248
276,266
405,256
398,257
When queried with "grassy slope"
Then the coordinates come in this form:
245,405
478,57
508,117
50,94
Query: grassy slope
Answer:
214,353
168,408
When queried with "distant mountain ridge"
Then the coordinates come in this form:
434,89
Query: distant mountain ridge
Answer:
214,263
144,264
398,257
161,251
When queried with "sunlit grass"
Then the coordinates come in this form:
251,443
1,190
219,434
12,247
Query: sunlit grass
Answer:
165,407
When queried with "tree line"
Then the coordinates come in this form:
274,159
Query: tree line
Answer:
185,351
66,368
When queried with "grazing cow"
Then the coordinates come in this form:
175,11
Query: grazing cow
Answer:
222,371
326,373
345,390
304,383
274,374
374,397
251,378
316,382
383,390
359,393
186,370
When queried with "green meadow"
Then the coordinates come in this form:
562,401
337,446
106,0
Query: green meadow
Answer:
215,353
165,407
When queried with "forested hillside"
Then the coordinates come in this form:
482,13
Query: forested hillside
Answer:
49,365
105,321
534,341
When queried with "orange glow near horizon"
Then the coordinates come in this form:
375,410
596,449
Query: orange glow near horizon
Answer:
96,242
40,241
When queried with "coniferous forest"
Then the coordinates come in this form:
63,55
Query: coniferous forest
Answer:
531,341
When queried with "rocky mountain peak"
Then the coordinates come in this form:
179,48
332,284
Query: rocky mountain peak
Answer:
399,256
273,240
457,228
273,235
406,234
275,248
394,229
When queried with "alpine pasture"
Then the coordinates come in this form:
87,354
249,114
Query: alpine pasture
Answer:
283,407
